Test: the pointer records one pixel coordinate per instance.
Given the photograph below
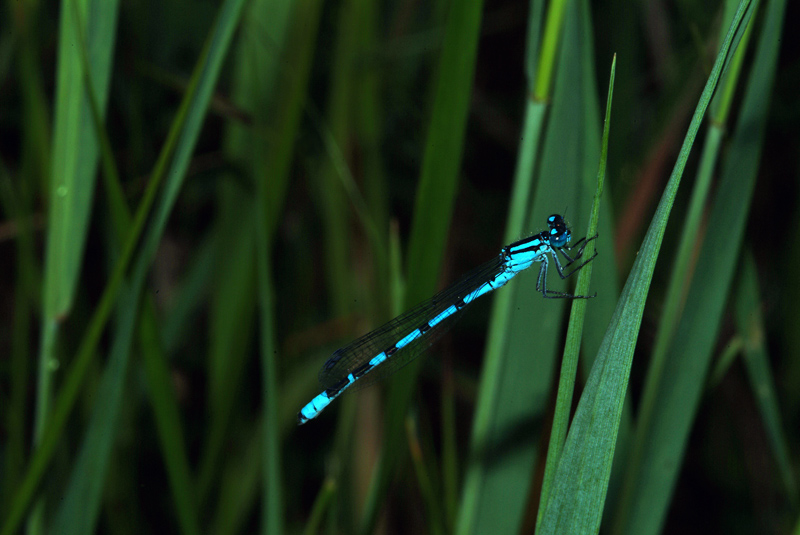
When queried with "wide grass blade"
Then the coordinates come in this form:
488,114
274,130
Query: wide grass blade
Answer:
75,147
72,177
520,357
578,497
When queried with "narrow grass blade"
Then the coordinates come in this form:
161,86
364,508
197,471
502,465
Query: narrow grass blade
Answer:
88,477
433,208
577,500
750,323
190,295
271,190
72,177
231,321
425,481
569,363
168,420
272,497
239,486
521,351
338,118
79,507
87,480
84,486
671,403
321,505
184,135
27,281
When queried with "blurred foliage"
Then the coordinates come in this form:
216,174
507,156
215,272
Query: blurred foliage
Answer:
200,201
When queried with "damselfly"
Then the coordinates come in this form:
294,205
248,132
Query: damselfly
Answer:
398,342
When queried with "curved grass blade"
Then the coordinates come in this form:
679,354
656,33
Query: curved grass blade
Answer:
578,496
670,405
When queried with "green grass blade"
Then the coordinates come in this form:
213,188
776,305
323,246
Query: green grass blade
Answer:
691,234
569,363
168,420
182,138
90,470
290,37
195,103
577,500
516,377
340,197
79,507
321,505
523,186
533,123
86,483
75,148
240,485
425,480
191,294
551,39
338,116
750,323
720,107
271,191
74,164
369,126
433,209
232,311
666,422
272,497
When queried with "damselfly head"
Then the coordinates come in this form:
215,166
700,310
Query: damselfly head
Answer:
559,233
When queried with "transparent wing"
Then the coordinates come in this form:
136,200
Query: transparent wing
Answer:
346,360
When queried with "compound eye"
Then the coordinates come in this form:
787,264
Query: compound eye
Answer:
559,239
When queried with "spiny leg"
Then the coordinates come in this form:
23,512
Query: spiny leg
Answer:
578,267
560,268
580,251
541,283
574,245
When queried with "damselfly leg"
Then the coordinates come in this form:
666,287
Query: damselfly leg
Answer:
583,242
571,260
541,283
